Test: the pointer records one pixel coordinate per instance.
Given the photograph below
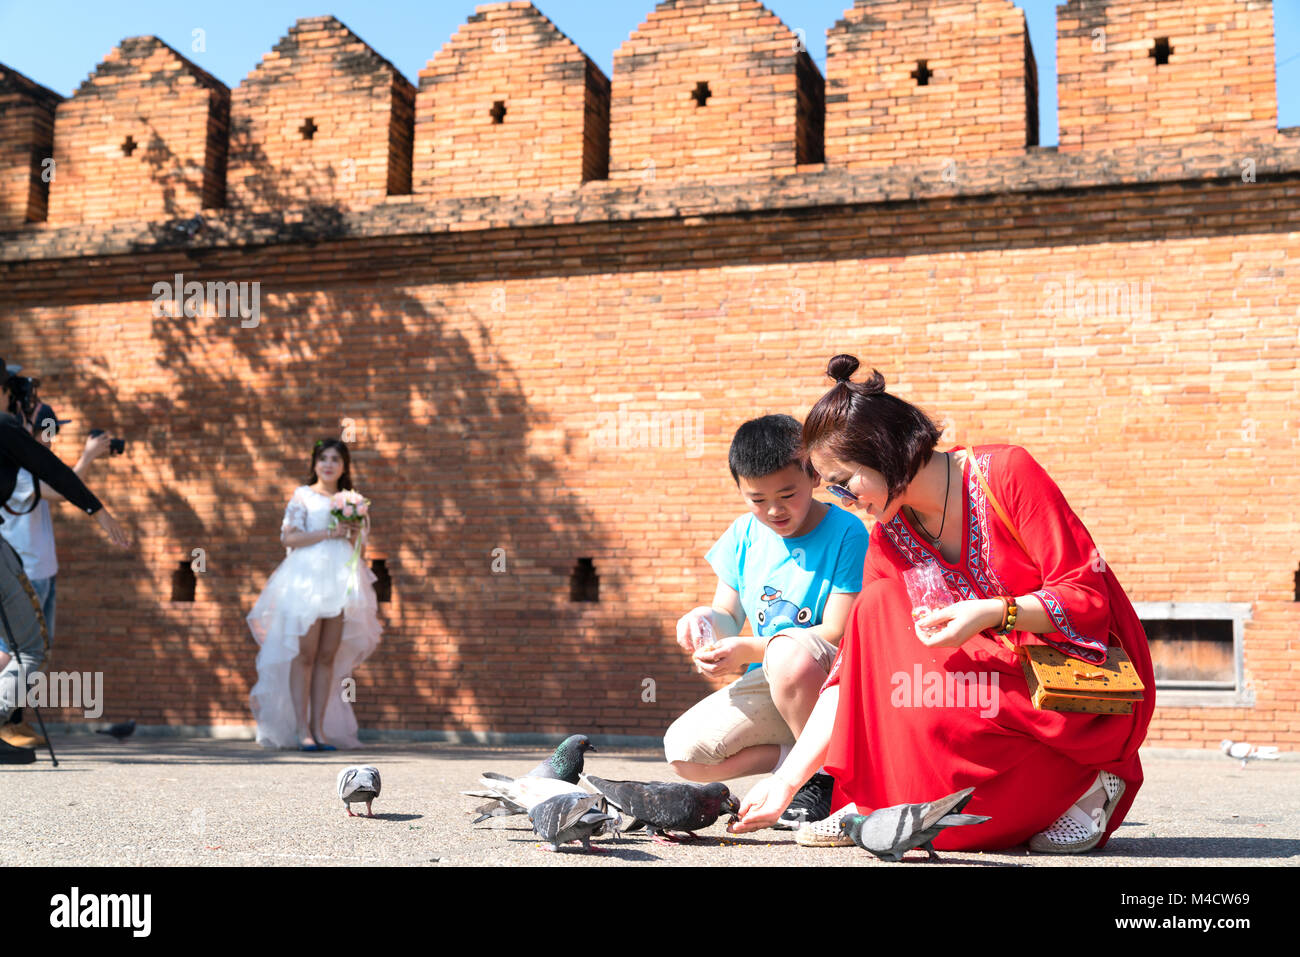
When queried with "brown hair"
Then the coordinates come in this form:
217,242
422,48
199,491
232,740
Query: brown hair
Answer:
345,480
861,422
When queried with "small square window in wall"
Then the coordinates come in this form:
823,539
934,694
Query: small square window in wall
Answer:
1196,652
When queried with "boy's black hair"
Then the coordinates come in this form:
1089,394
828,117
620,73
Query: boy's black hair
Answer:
765,445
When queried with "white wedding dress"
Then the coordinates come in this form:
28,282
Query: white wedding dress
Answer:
309,584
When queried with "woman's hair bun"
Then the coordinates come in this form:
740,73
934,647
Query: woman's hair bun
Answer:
842,367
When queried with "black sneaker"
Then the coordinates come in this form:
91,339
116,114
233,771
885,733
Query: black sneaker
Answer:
811,803
11,755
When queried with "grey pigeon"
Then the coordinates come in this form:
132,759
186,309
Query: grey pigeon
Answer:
576,816
516,795
891,832
357,784
663,807
121,730
564,764
1243,751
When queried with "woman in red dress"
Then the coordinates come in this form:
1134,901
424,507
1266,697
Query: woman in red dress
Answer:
887,725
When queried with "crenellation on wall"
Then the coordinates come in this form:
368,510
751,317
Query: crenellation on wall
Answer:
143,138
323,120
26,148
706,90
509,105
1219,79
929,79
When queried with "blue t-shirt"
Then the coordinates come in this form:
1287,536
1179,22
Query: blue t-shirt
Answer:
784,583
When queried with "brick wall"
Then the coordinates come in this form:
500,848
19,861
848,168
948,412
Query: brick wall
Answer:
534,377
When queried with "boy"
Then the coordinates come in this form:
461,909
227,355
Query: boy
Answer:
793,567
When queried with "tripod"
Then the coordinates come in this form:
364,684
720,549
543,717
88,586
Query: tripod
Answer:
22,678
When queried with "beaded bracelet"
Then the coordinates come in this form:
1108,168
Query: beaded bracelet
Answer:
1008,616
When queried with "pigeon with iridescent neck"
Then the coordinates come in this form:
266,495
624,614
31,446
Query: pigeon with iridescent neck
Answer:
565,764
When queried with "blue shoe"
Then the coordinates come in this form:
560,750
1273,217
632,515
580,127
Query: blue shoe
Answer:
309,747
326,747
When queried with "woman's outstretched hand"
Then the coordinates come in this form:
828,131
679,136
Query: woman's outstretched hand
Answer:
116,534
955,625
765,802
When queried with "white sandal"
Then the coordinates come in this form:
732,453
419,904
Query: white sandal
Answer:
827,833
1076,831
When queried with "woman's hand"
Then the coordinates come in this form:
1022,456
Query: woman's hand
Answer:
765,802
341,530
720,658
116,534
955,625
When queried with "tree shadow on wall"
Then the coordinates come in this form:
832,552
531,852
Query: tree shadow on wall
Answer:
478,531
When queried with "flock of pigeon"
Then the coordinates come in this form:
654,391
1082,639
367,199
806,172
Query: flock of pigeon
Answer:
562,811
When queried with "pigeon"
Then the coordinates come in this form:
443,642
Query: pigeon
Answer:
516,795
1243,752
190,226
664,807
121,730
358,784
576,816
891,832
564,764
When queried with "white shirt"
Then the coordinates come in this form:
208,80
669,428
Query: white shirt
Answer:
30,534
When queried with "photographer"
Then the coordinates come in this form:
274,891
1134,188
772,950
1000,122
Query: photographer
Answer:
29,529
21,618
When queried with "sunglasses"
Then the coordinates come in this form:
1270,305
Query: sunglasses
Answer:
841,491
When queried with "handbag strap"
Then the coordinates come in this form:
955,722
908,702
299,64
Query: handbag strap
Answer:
988,493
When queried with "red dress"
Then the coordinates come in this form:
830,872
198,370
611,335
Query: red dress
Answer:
916,723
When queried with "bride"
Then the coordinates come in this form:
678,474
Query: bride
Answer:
316,619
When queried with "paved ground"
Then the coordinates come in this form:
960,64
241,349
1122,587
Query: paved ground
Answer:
160,801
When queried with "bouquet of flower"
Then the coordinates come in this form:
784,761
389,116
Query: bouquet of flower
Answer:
351,506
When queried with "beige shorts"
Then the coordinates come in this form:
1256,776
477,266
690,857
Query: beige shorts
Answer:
740,715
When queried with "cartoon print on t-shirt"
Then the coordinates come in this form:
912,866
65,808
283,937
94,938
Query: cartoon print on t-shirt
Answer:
780,614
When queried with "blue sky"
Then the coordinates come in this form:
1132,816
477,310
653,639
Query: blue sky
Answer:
58,43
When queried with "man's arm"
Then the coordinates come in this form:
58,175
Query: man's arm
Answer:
96,446
45,465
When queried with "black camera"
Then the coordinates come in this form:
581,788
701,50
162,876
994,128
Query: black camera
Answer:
115,446
23,397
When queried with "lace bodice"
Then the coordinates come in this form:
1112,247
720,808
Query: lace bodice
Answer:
308,511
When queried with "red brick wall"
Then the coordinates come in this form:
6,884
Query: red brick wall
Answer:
750,124
982,70
554,131
173,113
26,144
556,375
355,150
1219,79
